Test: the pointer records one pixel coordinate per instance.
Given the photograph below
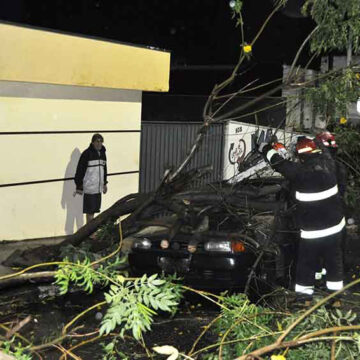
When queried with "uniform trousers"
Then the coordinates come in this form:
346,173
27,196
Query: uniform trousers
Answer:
312,253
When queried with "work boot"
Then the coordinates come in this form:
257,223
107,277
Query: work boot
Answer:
336,304
303,301
305,304
333,304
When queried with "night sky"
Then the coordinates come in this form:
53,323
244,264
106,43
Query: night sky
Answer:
200,34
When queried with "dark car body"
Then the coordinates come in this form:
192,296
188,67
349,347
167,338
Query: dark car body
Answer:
202,268
240,231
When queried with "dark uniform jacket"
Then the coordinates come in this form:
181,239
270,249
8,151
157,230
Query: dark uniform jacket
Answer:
319,209
91,171
341,175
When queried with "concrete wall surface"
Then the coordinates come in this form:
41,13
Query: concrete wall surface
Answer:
43,130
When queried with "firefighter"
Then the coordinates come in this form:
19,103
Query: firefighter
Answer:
328,140
319,214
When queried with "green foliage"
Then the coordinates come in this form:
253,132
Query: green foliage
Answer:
77,253
15,349
114,266
337,19
338,26
250,324
332,96
348,139
321,319
83,274
237,9
132,304
253,327
109,231
111,352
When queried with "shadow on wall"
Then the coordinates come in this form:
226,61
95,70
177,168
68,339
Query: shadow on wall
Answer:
72,205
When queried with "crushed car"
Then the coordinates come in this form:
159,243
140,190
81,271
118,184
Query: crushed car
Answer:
222,235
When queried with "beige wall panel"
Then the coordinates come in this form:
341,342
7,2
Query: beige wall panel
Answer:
28,114
48,57
49,209
55,156
21,89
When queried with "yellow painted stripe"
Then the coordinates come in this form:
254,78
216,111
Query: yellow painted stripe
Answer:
46,57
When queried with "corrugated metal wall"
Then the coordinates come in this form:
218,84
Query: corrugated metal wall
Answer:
165,144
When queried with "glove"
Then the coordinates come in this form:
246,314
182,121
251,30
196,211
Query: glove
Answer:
319,144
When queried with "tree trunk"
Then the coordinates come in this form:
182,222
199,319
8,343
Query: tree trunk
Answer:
41,276
124,206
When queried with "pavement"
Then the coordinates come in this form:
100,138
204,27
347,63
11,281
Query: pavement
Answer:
9,247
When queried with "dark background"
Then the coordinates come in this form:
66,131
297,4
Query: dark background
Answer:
201,34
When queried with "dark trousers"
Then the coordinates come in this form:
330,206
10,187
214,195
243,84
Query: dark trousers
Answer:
343,249
312,253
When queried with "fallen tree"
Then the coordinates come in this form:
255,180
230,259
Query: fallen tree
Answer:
186,206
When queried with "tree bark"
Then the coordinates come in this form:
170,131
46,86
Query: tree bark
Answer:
41,276
124,206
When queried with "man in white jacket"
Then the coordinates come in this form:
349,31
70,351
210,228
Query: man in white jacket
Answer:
91,176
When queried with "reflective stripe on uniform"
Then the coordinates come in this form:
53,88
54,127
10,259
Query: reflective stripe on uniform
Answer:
270,154
319,275
316,196
334,285
308,290
305,149
314,234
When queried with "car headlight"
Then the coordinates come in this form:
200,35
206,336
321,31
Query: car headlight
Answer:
223,246
142,244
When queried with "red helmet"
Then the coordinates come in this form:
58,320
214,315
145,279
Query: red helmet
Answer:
281,150
327,139
278,146
306,145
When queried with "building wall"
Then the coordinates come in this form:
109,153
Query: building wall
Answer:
165,145
43,130
299,112
40,56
